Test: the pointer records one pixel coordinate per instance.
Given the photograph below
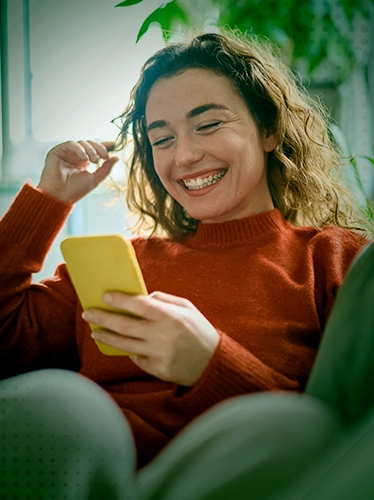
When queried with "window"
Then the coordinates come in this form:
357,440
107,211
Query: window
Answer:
67,70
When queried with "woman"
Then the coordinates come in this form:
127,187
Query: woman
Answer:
232,161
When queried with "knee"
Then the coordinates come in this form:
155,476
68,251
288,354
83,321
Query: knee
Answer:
269,417
63,404
67,434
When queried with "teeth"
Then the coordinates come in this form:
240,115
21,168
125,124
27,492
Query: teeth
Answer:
200,183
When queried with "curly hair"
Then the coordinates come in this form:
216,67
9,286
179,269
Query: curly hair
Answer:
303,169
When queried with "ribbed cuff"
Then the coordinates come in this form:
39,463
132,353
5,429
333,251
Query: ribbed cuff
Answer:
233,371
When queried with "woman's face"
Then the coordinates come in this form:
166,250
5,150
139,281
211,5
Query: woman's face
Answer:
208,151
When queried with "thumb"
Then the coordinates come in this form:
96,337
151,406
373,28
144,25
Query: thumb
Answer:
102,172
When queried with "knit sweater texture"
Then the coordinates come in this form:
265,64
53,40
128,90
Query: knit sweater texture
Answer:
268,288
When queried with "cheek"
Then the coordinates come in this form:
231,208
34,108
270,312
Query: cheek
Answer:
158,163
230,146
161,169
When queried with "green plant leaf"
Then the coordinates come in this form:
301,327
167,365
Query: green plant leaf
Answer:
316,49
352,174
165,16
349,7
369,159
338,49
128,3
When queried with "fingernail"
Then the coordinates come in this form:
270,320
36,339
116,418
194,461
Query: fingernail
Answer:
87,315
108,298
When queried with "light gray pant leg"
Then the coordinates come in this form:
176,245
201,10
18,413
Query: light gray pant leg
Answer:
62,437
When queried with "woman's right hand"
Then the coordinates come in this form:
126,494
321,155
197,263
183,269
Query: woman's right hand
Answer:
65,174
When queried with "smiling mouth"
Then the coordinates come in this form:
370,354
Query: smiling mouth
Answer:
203,182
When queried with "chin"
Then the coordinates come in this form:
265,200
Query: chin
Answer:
208,213
208,218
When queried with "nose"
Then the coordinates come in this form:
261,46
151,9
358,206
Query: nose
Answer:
188,151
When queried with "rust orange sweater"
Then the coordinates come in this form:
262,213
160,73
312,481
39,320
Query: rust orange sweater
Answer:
266,286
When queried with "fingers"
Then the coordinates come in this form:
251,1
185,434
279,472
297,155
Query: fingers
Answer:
142,306
80,152
126,344
151,307
97,151
173,340
117,323
109,145
122,332
66,174
170,299
70,151
145,311
94,150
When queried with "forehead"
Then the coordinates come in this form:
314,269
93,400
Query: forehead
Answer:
187,90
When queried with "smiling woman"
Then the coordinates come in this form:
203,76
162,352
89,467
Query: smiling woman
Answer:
233,162
207,150
302,166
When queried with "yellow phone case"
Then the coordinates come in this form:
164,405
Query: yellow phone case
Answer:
99,264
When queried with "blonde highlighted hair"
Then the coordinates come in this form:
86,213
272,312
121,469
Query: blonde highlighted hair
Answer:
303,169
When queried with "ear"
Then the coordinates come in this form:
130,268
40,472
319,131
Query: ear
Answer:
269,141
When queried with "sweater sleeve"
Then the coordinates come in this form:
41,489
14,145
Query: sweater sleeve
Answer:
36,320
233,371
333,252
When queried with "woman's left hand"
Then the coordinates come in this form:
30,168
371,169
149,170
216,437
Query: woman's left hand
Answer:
173,341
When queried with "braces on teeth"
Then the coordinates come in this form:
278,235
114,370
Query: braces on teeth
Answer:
202,183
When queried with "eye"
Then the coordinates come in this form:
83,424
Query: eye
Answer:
161,142
209,126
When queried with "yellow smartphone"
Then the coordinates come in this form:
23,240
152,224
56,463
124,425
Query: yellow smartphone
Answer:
99,264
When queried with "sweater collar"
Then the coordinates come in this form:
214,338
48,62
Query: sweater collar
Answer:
237,231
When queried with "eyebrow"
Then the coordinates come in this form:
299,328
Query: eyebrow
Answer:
191,114
205,107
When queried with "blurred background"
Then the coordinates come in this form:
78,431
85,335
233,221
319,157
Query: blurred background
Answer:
67,69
